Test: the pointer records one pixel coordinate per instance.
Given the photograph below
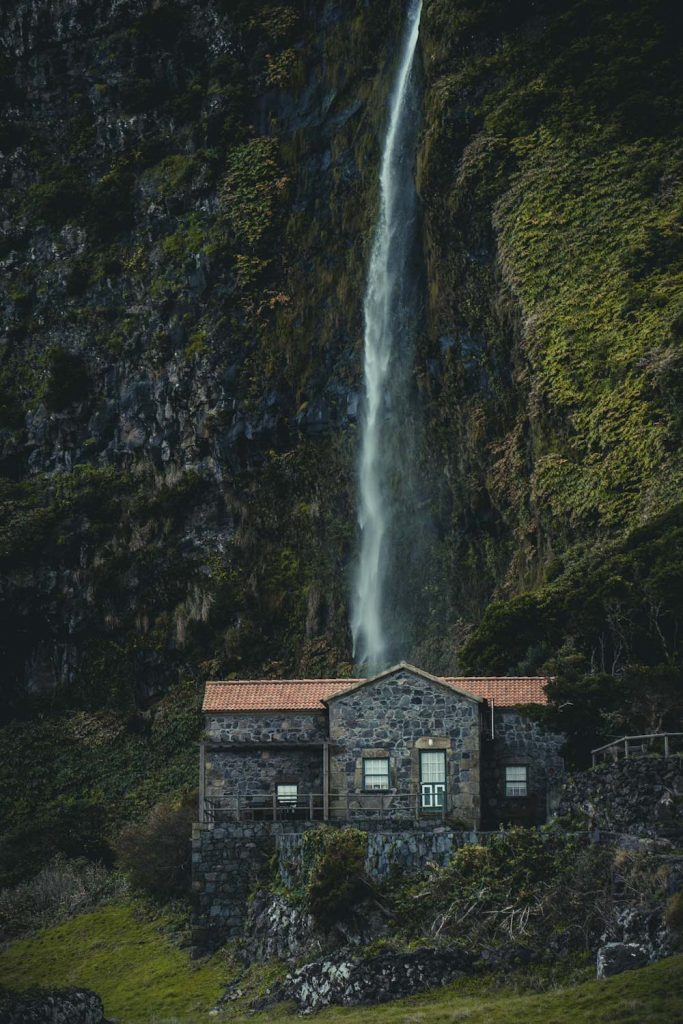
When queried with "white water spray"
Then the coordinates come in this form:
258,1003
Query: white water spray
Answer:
388,321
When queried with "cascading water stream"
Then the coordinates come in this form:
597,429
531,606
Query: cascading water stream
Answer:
389,311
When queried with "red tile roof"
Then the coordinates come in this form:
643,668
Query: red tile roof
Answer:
308,694
504,691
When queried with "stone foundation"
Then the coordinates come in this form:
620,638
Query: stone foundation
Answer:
229,859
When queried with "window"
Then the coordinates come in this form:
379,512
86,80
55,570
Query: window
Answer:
287,794
375,773
516,780
432,779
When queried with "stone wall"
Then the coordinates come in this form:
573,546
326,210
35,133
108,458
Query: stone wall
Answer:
267,727
55,1006
259,771
396,717
519,740
408,850
641,795
227,862
229,859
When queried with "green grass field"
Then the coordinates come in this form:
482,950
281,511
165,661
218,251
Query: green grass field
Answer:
128,957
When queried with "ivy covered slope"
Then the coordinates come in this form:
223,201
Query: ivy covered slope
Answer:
551,170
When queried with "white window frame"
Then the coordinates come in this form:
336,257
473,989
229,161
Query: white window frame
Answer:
516,781
433,789
287,794
375,781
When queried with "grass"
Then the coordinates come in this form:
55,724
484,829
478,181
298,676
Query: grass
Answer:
128,956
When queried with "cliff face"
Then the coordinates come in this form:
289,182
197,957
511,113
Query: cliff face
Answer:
189,193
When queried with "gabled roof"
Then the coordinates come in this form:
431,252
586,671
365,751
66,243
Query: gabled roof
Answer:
504,691
403,666
272,694
312,694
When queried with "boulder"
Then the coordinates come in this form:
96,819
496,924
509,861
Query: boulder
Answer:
345,981
617,957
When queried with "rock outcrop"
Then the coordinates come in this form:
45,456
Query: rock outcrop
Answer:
58,1006
347,981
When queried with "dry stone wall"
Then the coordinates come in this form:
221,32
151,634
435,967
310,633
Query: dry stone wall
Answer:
642,796
346,981
229,859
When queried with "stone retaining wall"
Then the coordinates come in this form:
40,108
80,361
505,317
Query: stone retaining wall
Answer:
642,796
57,1006
228,860
410,849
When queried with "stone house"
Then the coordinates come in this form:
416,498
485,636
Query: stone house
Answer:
401,747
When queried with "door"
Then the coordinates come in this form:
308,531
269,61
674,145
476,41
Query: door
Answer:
432,780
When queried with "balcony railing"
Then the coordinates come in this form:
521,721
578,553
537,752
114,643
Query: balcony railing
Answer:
335,806
663,743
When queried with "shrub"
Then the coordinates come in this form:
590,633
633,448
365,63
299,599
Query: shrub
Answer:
252,189
56,201
673,913
74,829
525,886
337,880
156,854
59,890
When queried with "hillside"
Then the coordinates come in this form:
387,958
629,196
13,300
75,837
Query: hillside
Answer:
188,203
97,949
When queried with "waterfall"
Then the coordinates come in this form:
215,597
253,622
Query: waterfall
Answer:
389,312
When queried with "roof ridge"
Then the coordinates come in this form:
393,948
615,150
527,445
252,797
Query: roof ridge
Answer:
319,679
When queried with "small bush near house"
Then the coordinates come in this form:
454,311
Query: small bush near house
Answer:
157,853
337,880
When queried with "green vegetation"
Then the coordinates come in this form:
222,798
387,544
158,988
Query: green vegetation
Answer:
334,870
86,775
126,953
56,200
156,854
67,379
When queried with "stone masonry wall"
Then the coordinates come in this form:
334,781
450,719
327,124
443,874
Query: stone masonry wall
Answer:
396,717
642,796
520,741
409,850
229,859
254,772
226,861
267,727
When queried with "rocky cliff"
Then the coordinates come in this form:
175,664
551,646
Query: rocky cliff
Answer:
189,191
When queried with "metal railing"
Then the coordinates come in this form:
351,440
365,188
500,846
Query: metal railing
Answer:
335,806
664,743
